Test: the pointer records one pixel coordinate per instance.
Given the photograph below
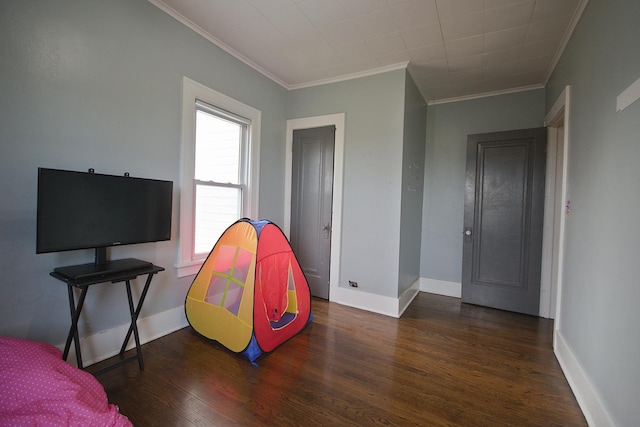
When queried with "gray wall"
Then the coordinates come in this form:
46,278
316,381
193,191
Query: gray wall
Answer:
600,319
415,127
98,84
447,128
374,108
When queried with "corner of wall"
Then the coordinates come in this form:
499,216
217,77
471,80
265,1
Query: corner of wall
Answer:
441,287
388,306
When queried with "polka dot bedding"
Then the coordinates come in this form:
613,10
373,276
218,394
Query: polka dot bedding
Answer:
38,388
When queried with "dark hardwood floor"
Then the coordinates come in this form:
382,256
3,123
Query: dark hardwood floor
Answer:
442,363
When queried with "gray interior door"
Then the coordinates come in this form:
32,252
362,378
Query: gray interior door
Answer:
503,220
311,203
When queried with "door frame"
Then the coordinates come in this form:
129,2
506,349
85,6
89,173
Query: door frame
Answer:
337,120
557,117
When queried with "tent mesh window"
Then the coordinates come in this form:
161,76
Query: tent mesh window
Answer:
228,279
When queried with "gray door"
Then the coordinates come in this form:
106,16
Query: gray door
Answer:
311,202
503,217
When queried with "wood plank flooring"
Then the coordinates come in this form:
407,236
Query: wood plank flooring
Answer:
441,363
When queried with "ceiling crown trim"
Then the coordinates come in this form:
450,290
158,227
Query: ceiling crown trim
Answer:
367,73
202,32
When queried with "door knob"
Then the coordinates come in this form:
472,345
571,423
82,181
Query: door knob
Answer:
468,233
327,230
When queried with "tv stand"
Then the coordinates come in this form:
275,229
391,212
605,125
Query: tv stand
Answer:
83,276
90,271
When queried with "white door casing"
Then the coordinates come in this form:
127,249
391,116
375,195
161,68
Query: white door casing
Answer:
337,120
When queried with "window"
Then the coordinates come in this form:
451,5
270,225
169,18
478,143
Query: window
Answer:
220,175
219,178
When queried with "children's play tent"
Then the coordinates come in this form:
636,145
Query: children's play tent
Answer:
250,294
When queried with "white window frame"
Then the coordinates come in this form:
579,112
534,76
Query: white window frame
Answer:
188,263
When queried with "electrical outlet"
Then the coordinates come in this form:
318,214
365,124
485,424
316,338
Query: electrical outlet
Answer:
353,284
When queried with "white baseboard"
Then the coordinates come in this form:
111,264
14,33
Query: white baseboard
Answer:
366,301
588,398
106,344
380,304
103,345
441,287
407,297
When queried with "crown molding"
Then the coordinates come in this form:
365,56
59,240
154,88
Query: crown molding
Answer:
565,40
372,72
486,94
403,65
202,32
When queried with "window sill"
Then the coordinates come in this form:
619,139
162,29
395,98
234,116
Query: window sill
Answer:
191,268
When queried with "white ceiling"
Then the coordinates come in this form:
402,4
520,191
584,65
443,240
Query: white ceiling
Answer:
455,48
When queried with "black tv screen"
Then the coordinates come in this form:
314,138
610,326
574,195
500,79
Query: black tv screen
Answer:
81,210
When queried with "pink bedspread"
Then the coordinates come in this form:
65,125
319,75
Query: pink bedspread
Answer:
38,388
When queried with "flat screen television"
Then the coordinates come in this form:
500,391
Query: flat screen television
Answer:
86,210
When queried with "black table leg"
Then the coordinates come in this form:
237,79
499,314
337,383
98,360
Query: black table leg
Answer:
75,307
133,327
73,330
